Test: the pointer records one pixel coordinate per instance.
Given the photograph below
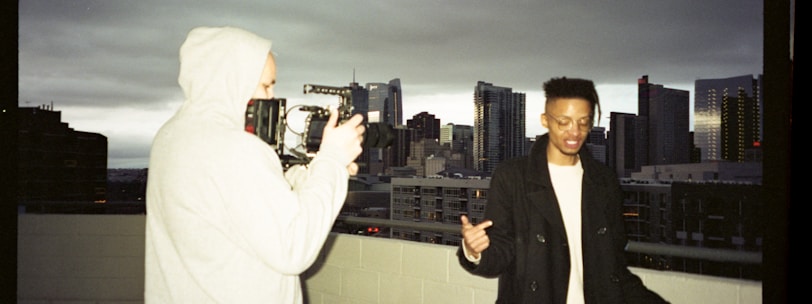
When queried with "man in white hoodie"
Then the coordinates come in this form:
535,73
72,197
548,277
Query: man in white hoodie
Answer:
225,223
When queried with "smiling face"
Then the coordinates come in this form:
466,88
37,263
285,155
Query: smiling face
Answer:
568,121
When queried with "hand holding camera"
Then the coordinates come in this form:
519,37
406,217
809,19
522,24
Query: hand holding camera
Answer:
267,118
343,139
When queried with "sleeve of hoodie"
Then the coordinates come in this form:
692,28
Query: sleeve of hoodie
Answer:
284,222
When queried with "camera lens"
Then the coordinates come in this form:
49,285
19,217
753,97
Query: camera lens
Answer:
378,135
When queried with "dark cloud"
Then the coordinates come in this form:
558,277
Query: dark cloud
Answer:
113,54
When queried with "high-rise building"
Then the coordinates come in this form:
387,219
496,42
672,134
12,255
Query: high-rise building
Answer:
384,105
360,100
499,125
360,105
596,143
728,118
397,155
667,117
425,125
420,150
623,144
58,163
460,140
447,134
386,101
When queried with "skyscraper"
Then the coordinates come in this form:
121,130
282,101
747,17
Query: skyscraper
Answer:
386,102
385,105
426,142
666,115
426,125
360,105
623,147
499,125
460,140
728,118
596,143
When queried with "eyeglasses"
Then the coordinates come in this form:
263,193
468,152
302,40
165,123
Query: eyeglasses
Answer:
565,124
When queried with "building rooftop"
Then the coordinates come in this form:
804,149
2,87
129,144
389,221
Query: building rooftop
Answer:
80,258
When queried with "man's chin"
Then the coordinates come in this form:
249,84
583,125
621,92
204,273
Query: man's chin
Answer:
572,151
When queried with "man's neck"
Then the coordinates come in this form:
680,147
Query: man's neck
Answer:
563,160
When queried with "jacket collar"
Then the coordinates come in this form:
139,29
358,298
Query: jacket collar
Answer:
538,160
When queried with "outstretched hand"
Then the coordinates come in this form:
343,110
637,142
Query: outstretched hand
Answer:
475,238
346,138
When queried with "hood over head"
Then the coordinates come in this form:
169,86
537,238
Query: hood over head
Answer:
220,68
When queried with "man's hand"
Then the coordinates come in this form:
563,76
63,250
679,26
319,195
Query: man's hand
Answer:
345,138
475,238
352,168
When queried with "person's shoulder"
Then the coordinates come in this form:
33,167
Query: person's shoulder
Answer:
511,167
518,161
594,167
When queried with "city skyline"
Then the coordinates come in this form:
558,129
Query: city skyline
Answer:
109,71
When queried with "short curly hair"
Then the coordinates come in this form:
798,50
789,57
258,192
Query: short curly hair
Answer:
563,87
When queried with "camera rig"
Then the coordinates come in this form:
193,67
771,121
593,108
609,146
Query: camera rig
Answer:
267,118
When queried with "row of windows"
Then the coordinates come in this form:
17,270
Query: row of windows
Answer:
446,192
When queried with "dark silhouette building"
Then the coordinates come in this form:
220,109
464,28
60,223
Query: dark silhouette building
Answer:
718,216
624,150
56,162
666,115
425,125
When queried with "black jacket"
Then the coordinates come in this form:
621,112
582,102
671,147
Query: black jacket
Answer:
528,244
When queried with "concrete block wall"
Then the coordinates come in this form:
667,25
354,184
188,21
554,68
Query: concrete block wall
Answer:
71,258
83,259
360,269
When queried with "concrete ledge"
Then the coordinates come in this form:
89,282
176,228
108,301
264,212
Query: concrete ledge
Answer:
66,258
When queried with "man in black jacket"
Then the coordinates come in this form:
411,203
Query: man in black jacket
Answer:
554,229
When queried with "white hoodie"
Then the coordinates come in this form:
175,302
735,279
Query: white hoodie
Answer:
224,222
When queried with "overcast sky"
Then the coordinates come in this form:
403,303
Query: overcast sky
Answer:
111,67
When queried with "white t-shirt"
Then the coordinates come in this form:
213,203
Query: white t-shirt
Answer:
567,182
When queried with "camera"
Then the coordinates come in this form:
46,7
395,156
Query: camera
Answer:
267,119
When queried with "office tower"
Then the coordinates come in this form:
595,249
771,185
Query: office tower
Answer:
460,140
386,99
666,115
385,105
360,105
398,154
420,150
360,100
58,163
624,149
499,125
728,118
425,125
696,153
425,147
447,134
596,136
596,143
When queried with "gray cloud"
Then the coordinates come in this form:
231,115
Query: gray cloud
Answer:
123,54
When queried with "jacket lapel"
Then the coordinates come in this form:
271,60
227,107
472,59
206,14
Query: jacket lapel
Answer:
540,189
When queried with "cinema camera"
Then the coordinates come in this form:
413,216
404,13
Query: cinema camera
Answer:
267,118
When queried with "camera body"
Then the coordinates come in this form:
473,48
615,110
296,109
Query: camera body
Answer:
267,118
